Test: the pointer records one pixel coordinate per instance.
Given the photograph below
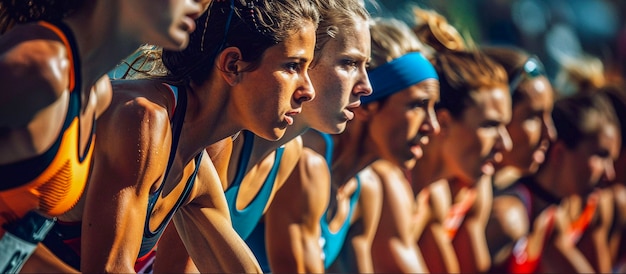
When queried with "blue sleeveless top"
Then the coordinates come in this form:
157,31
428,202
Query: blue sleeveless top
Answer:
333,242
256,243
246,219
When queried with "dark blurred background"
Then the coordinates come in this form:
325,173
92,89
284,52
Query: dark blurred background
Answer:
554,30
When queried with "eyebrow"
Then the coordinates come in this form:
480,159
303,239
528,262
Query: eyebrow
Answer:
298,58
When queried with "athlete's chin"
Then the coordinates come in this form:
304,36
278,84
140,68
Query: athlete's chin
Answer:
178,40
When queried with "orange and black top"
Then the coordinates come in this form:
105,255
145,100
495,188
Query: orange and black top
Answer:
53,181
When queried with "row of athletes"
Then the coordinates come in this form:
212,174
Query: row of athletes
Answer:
257,147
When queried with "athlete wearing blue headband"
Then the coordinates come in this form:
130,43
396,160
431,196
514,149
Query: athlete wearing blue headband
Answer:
399,74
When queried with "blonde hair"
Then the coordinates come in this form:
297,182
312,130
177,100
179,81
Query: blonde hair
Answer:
336,16
580,74
391,38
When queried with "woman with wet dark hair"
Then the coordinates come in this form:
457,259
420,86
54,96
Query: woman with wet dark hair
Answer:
245,68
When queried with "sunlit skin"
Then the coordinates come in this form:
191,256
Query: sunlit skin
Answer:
531,127
37,66
403,123
164,22
340,79
476,142
282,75
591,162
232,99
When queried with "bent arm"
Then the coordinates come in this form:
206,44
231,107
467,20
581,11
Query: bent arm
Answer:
369,207
561,255
127,163
292,220
471,235
206,230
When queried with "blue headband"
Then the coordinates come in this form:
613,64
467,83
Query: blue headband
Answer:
399,74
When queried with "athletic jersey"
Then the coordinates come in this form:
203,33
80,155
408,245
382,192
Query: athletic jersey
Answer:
246,219
53,181
64,239
520,260
256,243
580,225
332,242
456,214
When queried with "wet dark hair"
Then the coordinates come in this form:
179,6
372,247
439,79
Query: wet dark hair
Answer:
24,11
581,116
253,26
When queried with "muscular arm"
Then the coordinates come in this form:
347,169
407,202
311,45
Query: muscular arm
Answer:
434,242
560,254
594,243
127,162
395,244
206,230
369,209
470,242
35,70
292,220
508,224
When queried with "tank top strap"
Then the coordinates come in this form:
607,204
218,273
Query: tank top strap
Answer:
245,220
580,225
176,124
332,242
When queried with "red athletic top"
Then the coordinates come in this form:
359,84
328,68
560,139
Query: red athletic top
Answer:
456,214
580,225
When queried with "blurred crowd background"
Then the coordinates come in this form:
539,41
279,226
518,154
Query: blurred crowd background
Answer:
585,34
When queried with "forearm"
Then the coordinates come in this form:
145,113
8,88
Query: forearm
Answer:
44,261
470,245
174,257
407,258
212,242
363,254
293,250
601,260
564,258
438,251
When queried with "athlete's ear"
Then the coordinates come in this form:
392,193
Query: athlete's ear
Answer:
365,112
229,64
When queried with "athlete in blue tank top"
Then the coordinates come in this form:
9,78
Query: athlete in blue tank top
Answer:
245,220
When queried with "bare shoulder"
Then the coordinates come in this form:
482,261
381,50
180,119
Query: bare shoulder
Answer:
510,216
389,179
291,155
35,69
134,133
305,193
371,185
